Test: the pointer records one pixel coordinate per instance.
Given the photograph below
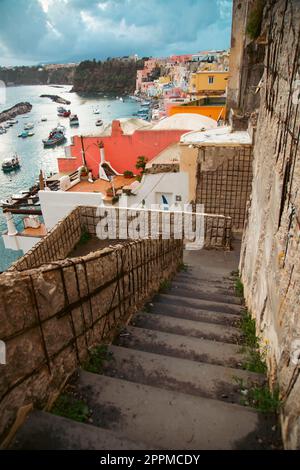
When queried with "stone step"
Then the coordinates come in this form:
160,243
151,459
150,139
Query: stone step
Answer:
181,375
45,431
190,281
199,292
195,314
181,326
203,350
203,304
167,419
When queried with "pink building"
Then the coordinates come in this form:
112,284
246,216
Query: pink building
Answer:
180,58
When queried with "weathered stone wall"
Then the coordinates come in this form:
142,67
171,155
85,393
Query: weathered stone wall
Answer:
224,180
270,262
50,317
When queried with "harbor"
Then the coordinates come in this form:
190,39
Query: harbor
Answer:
33,155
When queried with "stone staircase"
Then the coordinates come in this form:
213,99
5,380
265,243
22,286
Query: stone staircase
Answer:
172,378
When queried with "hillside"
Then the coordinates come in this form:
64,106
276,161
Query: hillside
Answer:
111,76
37,76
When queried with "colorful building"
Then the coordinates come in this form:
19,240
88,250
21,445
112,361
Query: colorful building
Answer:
208,82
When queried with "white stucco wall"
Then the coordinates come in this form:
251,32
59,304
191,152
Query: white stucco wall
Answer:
18,242
56,205
153,185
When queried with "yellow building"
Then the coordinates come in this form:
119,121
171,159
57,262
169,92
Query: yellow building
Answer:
208,82
164,80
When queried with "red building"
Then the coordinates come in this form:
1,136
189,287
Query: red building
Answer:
121,150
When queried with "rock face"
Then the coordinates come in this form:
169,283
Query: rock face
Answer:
56,98
37,76
270,262
20,108
112,76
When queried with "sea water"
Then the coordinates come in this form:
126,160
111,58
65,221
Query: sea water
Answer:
33,155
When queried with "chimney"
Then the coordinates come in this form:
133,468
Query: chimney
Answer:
102,153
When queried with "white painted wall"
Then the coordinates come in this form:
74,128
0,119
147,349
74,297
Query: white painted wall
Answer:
56,205
18,242
152,186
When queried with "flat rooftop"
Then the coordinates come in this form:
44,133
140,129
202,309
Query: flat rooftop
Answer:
218,136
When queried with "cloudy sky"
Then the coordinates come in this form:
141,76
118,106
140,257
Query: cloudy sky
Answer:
33,31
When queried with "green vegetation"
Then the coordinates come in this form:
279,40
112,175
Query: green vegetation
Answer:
264,399
182,267
98,356
255,20
128,174
239,287
254,356
141,163
164,285
37,75
259,396
70,407
111,76
85,237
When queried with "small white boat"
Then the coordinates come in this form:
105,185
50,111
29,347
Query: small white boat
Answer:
99,122
43,119
28,126
2,130
6,125
10,164
11,122
121,99
96,111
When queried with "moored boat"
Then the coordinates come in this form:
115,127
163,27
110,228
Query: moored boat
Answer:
28,126
56,137
74,121
2,130
99,122
24,134
10,164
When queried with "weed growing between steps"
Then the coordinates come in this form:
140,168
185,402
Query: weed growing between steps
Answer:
182,267
254,354
98,356
68,406
164,285
259,397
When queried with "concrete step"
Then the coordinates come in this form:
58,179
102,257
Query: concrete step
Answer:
182,326
201,274
199,292
167,419
191,313
189,280
181,375
45,431
203,304
203,350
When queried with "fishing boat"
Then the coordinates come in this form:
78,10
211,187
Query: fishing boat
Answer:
99,122
11,122
56,137
28,126
74,121
10,164
63,112
96,111
24,134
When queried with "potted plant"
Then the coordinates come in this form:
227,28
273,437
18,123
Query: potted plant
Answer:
84,173
128,174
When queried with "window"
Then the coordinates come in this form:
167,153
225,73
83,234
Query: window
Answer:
210,80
